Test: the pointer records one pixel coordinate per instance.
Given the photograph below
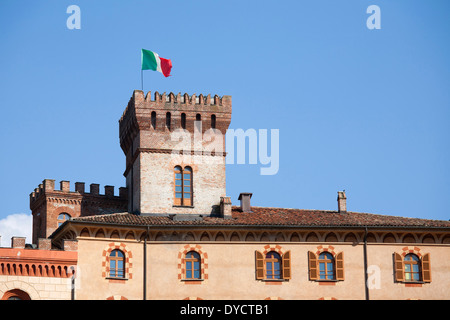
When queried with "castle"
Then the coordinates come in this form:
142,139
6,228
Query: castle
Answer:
173,233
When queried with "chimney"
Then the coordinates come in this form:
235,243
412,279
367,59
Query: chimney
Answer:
225,207
342,201
245,201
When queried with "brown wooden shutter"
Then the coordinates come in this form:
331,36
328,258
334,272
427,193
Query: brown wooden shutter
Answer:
312,259
339,260
399,268
286,264
259,265
426,268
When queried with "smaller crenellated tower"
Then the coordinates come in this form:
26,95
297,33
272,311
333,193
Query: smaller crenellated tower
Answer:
51,207
175,152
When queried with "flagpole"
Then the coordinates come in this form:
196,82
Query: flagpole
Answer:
142,80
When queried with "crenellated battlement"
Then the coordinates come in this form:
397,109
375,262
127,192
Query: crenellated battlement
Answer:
47,187
48,204
168,112
185,102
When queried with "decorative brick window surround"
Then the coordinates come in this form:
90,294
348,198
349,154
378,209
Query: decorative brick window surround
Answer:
261,265
314,263
128,260
424,267
116,297
182,263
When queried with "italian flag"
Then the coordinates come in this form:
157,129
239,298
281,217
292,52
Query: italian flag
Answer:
152,61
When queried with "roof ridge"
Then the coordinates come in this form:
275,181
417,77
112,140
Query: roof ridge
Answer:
281,208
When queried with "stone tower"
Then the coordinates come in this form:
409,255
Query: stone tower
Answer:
174,147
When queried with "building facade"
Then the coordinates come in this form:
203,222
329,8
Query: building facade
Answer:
173,233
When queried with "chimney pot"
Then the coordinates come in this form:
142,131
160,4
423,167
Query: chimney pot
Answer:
245,201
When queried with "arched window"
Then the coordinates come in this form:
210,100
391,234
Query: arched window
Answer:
168,119
15,294
412,267
117,264
183,120
183,186
326,266
213,121
153,120
63,217
192,266
273,265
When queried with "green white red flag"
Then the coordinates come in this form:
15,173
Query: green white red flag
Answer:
152,61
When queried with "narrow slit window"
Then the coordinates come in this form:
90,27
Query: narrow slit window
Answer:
183,120
168,119
153,120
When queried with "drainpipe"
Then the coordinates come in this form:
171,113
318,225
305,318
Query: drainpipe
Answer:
366,287
145,265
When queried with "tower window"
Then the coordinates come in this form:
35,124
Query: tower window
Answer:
168,116
183,120
62,218
183,186
213,121
198,124
153,120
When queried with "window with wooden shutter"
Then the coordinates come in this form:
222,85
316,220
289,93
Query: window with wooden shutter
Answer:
286,264
259,264
398,268
178,186
312,260
339,266
187,186
426,268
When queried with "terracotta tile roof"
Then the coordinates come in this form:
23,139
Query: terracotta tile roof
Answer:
263,216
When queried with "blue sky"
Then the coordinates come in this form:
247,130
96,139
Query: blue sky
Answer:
362,110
